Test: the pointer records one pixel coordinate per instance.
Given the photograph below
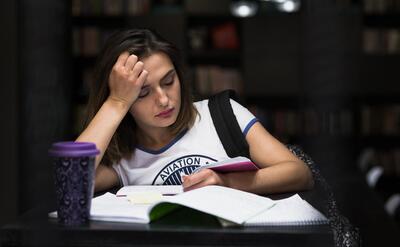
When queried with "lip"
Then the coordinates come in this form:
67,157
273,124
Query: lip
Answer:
166,113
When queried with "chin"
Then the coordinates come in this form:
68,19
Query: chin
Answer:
168,123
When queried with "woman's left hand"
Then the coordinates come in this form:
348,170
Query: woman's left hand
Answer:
203,178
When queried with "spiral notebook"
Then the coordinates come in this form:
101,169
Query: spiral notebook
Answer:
236,164
289,211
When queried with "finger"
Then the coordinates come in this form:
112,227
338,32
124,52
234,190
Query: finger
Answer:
142,77
195,178
130,62
136,70
122,59
198,185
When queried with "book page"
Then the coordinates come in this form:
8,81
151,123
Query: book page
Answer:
289,211
109,207
229,204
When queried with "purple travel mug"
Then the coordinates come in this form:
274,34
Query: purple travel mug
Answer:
74,169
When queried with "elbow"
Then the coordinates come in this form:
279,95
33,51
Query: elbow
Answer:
307,178
310,183
302,177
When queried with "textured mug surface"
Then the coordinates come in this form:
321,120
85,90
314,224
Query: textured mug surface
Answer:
74,168
74,188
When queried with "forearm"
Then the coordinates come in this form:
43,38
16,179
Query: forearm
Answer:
103,126
283,177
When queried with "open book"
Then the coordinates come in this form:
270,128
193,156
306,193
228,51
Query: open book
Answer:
230,205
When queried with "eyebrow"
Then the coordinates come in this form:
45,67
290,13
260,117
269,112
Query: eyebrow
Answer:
169,73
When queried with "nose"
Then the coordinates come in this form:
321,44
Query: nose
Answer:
162,98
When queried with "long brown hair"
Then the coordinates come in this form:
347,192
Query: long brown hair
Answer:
142,43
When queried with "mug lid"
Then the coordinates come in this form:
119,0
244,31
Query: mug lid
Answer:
73,149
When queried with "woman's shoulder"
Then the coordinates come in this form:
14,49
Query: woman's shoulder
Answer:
201,105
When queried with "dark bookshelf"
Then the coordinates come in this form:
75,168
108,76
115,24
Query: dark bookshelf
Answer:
379,75
378,140
228,58
216,58
272,82
104,21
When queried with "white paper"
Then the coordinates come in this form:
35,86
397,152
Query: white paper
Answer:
290,211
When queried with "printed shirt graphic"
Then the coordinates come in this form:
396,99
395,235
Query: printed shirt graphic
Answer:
198,146
171,174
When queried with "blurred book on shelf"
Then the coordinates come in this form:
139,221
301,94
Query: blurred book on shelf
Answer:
113,7
198,37
381,6
90,45
87,41
110,7
308,122
381,41
138,7
380,120
210,79
221,36
225,36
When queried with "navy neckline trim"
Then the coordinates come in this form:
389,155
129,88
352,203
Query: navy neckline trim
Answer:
166,147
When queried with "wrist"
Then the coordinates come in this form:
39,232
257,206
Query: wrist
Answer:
118,104
225,180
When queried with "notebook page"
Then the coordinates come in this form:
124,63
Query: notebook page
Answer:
109,207
229,204
239,163
290,211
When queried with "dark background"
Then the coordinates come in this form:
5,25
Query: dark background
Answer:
289,62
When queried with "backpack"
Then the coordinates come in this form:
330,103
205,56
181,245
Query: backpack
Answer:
235,144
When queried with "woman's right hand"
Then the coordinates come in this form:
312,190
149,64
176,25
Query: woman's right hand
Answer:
126,79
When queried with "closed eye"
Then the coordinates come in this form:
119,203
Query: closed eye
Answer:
169,83
170,80
144,92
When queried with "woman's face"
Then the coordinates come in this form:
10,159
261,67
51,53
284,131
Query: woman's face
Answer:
159,100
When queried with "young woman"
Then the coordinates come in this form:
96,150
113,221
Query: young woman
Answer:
149,131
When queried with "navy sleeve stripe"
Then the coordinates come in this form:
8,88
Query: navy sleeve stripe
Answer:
248,126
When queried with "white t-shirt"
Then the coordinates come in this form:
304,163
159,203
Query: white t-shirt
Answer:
195,147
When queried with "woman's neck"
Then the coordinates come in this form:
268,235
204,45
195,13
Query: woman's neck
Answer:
155,139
